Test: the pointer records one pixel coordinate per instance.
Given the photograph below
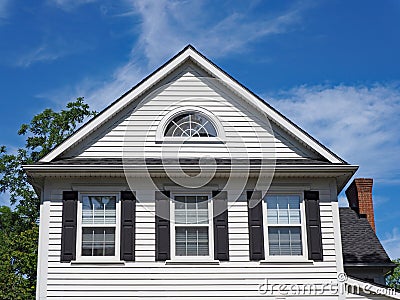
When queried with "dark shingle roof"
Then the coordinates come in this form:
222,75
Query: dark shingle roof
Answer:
359,241
183,161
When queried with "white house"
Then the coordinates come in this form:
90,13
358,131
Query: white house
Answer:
189,186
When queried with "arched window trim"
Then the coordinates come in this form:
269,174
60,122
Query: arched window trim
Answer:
188,109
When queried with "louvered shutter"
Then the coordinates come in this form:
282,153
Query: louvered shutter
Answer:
220,220
163,239
69,223
313,222
256,234
128,210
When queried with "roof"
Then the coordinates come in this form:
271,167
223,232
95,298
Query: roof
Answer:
190,53
360,244
182,161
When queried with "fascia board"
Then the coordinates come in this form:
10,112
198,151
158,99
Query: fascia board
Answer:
290,169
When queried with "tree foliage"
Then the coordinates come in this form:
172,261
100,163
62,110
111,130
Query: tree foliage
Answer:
18,227
393,279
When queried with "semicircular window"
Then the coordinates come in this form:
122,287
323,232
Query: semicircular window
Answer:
191,124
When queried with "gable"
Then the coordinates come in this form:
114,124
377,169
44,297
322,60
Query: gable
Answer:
137,131
291,136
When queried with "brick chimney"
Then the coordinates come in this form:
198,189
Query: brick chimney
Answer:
359,194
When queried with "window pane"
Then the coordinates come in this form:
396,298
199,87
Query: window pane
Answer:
98,241
283,209
191,210
285,241
190,125
191,241
98,209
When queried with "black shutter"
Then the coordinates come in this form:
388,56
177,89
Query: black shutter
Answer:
313,220
128,209
163,248
256,235
69,221
221,238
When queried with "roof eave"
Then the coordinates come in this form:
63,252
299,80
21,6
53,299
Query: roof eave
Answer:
342,173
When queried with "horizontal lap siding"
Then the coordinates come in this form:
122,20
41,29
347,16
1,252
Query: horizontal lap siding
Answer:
244,127
155,280
145,231
146,279
238,230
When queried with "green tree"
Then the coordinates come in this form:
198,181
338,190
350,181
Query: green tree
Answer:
393,279
18,227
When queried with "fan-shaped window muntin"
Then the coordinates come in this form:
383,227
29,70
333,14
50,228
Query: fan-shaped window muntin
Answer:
190,124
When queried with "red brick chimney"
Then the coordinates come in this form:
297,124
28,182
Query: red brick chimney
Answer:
359,194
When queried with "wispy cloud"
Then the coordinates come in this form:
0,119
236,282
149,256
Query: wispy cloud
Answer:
98,93
169,25
3,10
69,5
165,28
50,50
391,242
360,123
40,54
342,200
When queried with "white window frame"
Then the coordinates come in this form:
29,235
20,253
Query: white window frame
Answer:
116,257
303,229
220,138
210,255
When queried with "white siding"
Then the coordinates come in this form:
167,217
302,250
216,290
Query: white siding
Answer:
133,132
237,279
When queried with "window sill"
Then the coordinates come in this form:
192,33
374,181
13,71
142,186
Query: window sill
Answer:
177,140
287,261
192,262
100,262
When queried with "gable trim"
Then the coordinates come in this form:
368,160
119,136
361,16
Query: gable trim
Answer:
189,52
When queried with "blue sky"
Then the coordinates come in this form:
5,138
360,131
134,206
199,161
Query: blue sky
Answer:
333,67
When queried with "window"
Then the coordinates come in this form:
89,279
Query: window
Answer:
191,230
284,225
98,225
192,124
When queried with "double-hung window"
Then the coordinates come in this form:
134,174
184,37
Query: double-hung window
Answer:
98,233
191,231
284,225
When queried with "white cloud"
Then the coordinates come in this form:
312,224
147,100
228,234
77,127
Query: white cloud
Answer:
165,28
52,48
169,25
70,4
100,94
359,123
3,9
40,54
342,200
391,242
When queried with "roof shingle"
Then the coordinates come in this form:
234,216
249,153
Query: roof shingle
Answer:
359,242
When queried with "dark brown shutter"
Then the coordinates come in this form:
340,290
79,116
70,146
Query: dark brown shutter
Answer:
128,209
313,221
69,221
163,242
221,238
256,235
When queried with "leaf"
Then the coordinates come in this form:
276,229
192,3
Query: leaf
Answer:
18,227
